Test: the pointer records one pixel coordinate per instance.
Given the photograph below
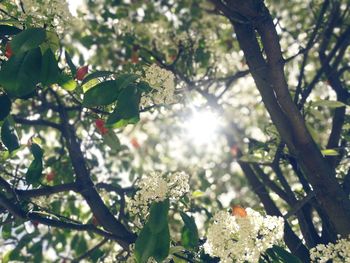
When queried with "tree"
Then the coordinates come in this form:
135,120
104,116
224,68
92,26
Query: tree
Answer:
132,130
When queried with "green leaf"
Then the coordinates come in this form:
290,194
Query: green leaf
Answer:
67,82
158,218
9,137
97,74
161,250
90,84
20,74
112,140
6,231
144,245
28,39
5,106
51,42
6,30
328,103
283,255
34,172
124,80
144,87
72,67
330,152
35,169
36,151
50,72
103,93
189,233
127,109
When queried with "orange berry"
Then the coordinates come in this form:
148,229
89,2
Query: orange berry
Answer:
238,211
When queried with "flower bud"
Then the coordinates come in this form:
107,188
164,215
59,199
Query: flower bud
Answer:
81,72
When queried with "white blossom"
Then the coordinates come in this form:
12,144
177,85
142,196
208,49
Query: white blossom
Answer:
51,13
163,86
156,187
338,252
242,239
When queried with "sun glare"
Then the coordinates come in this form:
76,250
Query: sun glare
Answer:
202,127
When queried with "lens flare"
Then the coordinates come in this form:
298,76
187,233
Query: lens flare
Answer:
202,127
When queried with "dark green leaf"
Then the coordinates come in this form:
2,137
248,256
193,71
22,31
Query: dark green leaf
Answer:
144,87
103,93
49,70
34,171
279,254
5,106
285,256
97,74
72,67
127,109
125,80
9,137
144,245
6,30
161,250
189,234
158,217
36,151
6,231
28,39
20,74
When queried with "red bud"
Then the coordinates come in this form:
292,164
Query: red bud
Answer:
100,125
50,176
134,142
95,221
35,223
8,51
81,72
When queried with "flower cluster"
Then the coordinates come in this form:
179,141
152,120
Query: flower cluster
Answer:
156,187
53,13
242,237
163,86
338,252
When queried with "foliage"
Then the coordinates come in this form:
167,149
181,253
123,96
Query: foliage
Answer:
99,157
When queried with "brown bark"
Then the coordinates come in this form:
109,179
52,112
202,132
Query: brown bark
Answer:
271,82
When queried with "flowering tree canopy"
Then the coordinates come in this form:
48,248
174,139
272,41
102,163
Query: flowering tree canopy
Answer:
174,131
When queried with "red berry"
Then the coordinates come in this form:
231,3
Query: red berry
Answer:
81,72
95,221
100,125
234,151
134,57
50,176
8,51
35,223
134,142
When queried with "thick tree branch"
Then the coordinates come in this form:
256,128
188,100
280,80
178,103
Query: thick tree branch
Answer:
270,80
85,185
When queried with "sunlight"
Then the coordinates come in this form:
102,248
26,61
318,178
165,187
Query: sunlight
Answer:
202,127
